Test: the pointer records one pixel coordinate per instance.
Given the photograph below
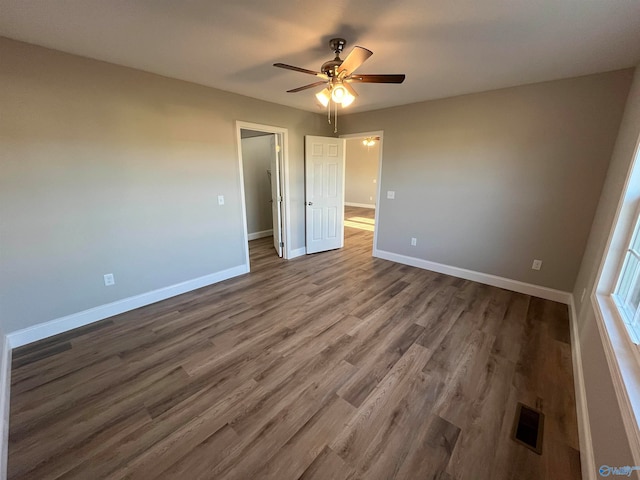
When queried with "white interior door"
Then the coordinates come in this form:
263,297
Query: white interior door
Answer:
276,194
324,182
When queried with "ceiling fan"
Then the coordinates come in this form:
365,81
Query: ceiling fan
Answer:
337,75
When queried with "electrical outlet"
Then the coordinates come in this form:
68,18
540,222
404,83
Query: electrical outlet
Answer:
391,195
414,241
220,199
537,265
375,180
109,280
370,199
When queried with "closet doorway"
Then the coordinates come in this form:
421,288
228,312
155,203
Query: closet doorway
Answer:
263,171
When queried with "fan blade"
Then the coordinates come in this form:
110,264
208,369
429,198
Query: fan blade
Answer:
356,58
350,89
372,78
311,85
297,69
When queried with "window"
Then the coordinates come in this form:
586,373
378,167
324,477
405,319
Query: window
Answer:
627,291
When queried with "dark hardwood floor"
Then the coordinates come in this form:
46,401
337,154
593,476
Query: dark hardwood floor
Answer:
330,366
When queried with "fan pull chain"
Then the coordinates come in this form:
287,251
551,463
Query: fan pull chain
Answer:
335,116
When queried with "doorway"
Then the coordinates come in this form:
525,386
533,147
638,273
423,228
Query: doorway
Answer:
263,162
362,184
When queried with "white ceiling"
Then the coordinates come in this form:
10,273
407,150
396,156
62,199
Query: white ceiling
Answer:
446,47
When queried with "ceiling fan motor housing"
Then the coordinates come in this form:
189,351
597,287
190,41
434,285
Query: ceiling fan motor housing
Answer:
330,68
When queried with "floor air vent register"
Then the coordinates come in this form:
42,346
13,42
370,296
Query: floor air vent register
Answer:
528,428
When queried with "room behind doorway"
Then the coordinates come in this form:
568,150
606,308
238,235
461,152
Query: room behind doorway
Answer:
362,172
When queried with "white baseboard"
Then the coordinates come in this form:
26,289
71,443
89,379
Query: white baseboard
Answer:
262,234
63,324
587,459
298,252
487,279
5,384
361,205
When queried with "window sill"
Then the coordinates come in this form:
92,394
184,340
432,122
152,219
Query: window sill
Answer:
623,358
632,330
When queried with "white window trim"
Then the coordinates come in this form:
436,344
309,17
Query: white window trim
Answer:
623,356
621,308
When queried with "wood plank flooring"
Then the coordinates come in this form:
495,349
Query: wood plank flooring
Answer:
330,366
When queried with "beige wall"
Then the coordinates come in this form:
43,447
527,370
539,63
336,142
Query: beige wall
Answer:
490,181
609,440
256,161
361,170
106,169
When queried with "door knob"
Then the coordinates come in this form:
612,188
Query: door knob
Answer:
309,203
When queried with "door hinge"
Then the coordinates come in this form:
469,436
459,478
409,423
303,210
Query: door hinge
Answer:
282,244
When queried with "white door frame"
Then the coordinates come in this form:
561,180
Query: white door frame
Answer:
286,230
376,133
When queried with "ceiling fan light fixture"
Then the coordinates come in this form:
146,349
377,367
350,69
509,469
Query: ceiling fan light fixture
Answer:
347,100
324,97
338,93
341,95
369,142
